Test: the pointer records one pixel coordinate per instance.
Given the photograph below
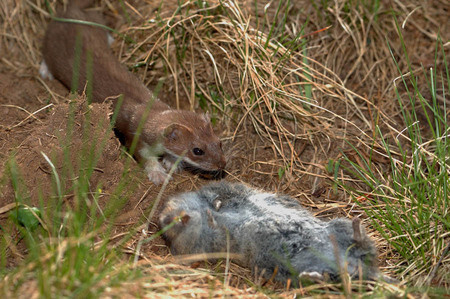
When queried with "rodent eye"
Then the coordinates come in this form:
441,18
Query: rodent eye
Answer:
198,151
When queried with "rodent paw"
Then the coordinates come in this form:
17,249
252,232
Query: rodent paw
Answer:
314,276
217,204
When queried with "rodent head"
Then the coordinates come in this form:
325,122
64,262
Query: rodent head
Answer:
355,248
192,224
191,137
186,229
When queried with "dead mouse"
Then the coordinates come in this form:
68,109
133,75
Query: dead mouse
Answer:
269,232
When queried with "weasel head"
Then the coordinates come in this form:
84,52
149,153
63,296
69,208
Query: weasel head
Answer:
191,137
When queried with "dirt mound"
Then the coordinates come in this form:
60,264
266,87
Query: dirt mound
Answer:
54,147
63,136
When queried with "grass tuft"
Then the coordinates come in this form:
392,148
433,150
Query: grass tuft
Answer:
409,203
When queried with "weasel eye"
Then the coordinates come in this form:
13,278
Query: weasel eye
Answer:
198,151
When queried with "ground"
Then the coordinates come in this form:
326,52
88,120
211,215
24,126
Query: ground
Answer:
37,114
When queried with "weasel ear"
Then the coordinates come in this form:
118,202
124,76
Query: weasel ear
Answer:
175,131
357,234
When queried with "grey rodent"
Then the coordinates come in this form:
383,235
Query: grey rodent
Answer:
269,232
167,134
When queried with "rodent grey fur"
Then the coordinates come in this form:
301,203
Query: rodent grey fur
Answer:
269,232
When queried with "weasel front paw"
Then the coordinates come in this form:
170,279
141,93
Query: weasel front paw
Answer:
45,72
155,171
157,177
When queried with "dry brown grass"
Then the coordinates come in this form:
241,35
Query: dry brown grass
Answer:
284,110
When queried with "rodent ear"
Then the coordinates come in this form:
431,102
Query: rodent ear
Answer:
185,219
357,234
174,131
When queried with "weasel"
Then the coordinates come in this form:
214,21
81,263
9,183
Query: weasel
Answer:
269,232
167,135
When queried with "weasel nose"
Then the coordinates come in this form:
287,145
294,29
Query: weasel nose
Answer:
222,163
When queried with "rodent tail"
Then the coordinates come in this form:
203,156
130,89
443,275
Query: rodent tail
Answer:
81,3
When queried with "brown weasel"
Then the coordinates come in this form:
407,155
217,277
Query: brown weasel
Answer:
167,134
